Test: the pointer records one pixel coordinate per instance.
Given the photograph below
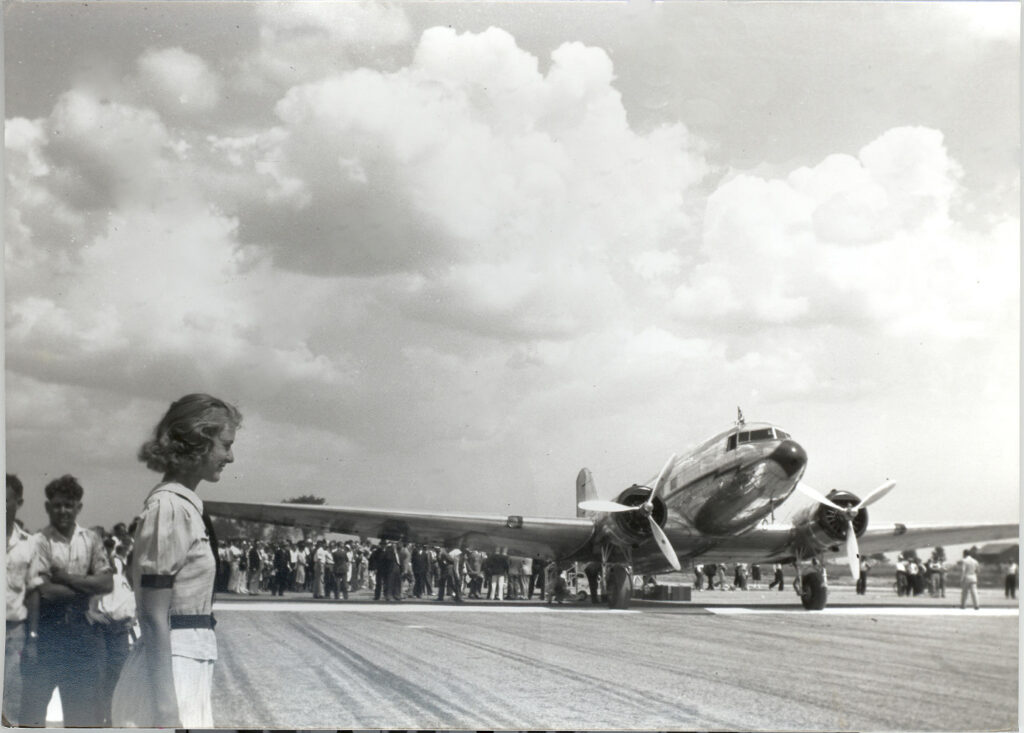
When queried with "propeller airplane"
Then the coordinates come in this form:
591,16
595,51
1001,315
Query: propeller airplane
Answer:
713,503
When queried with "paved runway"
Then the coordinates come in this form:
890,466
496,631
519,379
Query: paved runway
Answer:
736,661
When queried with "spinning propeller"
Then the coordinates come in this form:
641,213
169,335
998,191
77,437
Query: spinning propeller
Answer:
850,512
646,509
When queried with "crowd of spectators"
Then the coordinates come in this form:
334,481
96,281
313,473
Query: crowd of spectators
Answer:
393,570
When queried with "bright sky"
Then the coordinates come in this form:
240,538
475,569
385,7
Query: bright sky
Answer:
442,256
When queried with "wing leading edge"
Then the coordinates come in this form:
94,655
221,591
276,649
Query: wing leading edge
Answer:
490,532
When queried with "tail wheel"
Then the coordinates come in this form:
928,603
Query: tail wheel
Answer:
814,592
619,587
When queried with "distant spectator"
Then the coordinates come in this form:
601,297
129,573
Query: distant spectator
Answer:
1011,580
968,580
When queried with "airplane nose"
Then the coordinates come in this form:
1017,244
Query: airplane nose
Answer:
790,456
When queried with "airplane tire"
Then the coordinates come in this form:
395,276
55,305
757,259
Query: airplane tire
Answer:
620,587
815,592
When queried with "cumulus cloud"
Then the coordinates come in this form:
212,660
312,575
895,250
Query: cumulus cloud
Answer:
852,240
518,198
178,81
299,42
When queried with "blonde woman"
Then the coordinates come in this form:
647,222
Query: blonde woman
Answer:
168,678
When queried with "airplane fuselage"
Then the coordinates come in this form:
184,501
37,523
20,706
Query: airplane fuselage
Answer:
722,488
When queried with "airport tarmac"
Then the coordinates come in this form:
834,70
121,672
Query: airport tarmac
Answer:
737,660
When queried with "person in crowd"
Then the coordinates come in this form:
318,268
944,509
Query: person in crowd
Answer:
342,570
20,548
69,565
778,578
537,576
740,577
902,585
318,569
282,570
755,576
255,563
1010,585
448,579
167,680
501,568
720,571
419,570
862,580
698,576
710,571
116,633
593,572
405,569
390,568
375,564
515,589
968,580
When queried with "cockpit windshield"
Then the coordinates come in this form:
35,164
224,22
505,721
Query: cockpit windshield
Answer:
755,436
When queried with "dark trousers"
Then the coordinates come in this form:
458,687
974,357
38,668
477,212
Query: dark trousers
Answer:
536,581
777,580
419,582
862,583
70,657
282,579
330,582
1011,586
115,647
378,585
448,580
342,584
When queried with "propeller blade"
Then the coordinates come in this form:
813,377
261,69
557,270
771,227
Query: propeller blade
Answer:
818,497
659,485
852,551
600,505
876,494
663,544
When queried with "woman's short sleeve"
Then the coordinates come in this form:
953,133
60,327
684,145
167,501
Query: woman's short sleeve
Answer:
162,541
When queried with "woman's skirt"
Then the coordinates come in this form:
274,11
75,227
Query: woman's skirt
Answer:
134,700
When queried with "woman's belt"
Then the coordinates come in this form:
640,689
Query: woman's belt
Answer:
193,621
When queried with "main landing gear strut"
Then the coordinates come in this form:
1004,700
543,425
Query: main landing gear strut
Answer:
618,580
811,585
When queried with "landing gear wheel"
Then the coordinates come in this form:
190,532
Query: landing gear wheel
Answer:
814,593
620,588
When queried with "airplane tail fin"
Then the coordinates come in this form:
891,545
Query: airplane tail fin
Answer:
585,490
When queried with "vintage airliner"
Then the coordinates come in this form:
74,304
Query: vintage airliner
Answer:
712,503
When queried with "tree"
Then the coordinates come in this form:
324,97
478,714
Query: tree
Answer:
305,499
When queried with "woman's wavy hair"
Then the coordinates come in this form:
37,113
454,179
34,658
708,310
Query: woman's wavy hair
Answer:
185,434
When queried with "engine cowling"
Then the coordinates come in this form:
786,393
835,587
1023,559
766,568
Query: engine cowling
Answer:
632,528
825,528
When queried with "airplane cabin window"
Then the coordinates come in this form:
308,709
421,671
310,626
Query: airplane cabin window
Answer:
731,444
781,434
757,435
744,437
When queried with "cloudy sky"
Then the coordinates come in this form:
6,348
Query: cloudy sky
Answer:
442,256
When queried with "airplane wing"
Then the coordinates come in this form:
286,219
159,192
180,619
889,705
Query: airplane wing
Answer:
897,537
517,535
775,544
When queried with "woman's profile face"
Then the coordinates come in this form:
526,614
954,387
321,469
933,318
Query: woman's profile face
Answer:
219,455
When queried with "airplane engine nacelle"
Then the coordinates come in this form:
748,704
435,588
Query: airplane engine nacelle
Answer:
825,528
631,528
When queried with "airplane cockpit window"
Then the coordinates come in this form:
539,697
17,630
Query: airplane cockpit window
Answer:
754,436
